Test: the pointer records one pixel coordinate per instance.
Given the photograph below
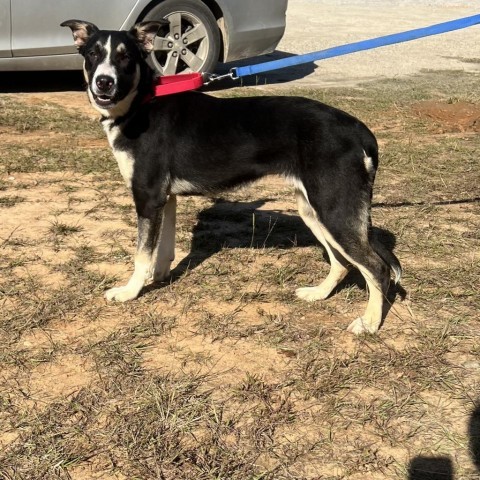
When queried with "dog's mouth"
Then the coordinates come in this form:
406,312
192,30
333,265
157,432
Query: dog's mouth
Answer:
104,101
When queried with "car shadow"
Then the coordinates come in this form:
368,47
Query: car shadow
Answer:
73,80
228,224
49,81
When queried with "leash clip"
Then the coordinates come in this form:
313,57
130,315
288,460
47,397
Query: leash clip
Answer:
213,77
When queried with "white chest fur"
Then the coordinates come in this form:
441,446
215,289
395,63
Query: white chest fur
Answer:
124,158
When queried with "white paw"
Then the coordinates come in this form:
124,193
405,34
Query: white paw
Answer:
310,294
121,294
359,326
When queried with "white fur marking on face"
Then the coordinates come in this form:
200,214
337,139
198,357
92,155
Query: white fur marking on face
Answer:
122,106
105,68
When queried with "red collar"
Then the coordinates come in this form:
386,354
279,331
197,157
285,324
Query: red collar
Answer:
170,84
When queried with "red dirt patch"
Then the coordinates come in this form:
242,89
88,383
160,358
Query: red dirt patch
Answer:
451,117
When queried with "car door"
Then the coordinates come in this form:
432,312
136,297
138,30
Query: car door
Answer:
5,47
36,23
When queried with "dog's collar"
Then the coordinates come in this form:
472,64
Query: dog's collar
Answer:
171,84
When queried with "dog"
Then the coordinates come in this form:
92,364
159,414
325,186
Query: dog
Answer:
195,144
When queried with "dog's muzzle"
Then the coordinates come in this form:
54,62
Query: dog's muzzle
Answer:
103,90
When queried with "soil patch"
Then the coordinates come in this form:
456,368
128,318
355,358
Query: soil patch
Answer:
450,117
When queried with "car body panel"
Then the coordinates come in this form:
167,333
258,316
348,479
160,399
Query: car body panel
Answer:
249,28
72,61
43,36
254,27
5,29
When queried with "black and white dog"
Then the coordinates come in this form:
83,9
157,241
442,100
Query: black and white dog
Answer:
193,143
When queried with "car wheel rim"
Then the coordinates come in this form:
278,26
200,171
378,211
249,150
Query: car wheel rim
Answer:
183,46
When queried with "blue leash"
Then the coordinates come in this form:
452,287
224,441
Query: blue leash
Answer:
439,28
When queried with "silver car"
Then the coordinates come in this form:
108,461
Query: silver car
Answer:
200,33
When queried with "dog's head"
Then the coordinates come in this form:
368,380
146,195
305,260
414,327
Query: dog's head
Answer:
114,63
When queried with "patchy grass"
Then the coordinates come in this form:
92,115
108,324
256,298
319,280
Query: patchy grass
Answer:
222,373
10,200
60,228
20,159
45,117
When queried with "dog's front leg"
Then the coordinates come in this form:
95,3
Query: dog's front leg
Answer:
148,232
165,248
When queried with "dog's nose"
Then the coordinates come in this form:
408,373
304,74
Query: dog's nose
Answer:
104,83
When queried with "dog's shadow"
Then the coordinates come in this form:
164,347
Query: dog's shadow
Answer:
228,224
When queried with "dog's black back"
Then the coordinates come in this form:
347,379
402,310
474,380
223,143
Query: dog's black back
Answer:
216,144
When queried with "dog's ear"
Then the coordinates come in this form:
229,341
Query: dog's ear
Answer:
81,31
145,33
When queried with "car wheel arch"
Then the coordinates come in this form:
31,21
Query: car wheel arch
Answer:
216,11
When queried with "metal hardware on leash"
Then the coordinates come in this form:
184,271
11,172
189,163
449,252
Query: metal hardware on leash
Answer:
213,77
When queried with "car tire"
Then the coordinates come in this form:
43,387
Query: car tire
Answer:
191,43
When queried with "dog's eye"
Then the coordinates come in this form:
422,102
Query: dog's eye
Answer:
93,54
124,56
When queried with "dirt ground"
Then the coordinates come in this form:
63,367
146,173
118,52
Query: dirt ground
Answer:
222,373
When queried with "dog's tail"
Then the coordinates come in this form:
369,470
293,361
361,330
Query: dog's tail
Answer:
386,254
388,257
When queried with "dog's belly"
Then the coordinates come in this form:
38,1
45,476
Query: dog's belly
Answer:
201,187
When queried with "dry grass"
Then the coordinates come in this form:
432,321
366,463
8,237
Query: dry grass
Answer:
222,373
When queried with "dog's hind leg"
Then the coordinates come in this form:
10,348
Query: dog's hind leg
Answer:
350,237
150,216
338,265
345,229
377,276
165,249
